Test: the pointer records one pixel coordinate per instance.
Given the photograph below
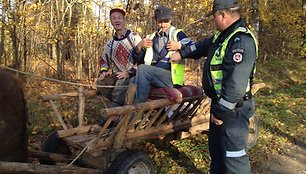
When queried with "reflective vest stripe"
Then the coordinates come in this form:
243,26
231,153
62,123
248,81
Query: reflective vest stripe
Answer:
103,69
177,69
149,51
217,59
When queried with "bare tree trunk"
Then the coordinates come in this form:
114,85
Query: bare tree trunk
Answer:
59,60
24,49
12,19
25,52
304,28
79,60
82,43
16,61
2,50
254,20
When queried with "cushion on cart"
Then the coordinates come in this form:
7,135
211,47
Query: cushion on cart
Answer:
175,94
190,91
172,94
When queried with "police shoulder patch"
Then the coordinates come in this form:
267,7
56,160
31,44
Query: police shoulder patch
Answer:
238,55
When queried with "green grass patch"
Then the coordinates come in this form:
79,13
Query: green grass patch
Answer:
281,108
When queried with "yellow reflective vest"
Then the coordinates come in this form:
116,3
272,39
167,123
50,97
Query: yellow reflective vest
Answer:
177,69
218,57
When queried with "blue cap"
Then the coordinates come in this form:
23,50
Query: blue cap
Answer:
162,12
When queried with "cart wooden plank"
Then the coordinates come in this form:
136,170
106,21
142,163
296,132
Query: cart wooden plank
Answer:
16,167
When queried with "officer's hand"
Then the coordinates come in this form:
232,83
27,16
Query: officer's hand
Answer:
173,46
122,75
103,75
216,121
176,57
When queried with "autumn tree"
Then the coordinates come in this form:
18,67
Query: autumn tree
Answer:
65,38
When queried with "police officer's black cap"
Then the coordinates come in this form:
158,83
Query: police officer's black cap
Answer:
223,4
163,13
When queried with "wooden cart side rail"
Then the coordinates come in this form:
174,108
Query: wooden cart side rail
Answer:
151,104
155,132
117,111
128,125
78,130
17,167
50,156
131,137
131,117
192,106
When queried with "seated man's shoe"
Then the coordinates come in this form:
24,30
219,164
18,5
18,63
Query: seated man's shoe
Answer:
101,122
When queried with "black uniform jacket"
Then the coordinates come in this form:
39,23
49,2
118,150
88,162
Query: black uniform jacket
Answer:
236,73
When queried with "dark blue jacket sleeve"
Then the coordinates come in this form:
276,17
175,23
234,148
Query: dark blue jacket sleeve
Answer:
184,39
196,50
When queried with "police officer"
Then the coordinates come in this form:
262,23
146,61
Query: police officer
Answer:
227,79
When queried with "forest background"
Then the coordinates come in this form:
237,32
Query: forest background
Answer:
63,34
63,39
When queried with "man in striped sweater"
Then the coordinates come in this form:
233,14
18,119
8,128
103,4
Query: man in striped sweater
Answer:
116,62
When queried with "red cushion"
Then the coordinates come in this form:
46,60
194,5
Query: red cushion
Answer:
175,95
189,91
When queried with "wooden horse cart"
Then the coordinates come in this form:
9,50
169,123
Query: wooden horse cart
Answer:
169,114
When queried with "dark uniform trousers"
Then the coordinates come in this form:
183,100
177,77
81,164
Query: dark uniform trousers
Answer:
231,137
117,94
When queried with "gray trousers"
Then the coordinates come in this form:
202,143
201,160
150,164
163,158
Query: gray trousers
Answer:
147,76
228,142
117,94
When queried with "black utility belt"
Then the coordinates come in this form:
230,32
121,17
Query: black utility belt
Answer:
246,97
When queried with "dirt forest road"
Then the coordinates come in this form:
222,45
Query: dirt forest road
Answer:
293,162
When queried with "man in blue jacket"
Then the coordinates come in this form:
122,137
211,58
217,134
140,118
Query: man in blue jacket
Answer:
227,79
153,53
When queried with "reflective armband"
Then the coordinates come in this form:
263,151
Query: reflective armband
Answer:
235,154
227,104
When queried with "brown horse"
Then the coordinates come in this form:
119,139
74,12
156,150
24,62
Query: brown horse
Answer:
13,116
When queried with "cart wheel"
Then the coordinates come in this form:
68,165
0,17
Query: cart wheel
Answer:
54,145
132,162
253,131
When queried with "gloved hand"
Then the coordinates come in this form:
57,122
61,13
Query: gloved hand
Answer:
220,112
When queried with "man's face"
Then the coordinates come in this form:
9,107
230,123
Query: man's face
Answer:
219,20
163,24
117,20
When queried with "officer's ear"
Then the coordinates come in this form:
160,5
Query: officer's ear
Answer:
223,13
